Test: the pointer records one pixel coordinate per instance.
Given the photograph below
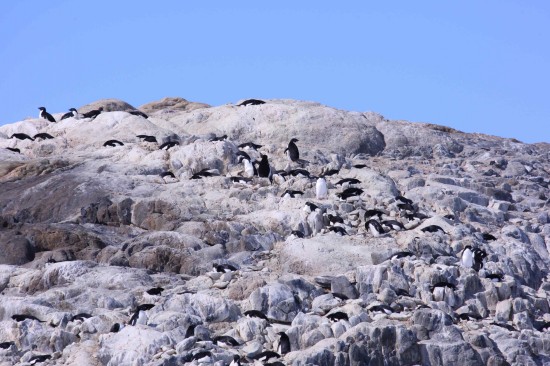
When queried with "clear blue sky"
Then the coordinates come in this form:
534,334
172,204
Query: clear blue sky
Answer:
478,66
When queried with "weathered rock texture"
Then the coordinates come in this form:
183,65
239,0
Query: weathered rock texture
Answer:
89,229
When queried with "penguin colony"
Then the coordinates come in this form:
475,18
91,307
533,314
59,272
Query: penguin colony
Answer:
400,215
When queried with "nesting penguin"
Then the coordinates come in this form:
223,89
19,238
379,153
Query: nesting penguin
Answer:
467,258
264,170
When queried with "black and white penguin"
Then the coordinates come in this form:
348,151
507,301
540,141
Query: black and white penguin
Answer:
6,345
251,102
404,200
296,172
139,316
374,227
442,284
292,149
432,229
339,315
338,230
167,174
155,291
45,115
330,172
381,308
334,219
147,138
225,340
495,277
138,113
43,136
93,113
38,359
349,192
393,225
284,343
467,257
115,328
216,139
22,317
21,136
224,268
249,145
347,180
310,207
255,314
206,172
372,213
241,179
264,170
81,317
71,113
113,143
479,256
168,145
402,254
265,356
291,193
14,149
249,168
298,234
321,190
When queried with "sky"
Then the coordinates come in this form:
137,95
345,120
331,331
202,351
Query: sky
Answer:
476,66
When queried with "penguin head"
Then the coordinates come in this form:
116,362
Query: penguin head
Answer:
42,109
294,140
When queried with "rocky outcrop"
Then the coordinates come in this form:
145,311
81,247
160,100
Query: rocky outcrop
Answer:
91,234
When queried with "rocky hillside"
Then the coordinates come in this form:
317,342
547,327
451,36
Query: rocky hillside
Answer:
117,255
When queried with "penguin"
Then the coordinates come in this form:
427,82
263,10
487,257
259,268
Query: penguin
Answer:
216,139
155,291
243,155
495,277
255,314
298,234
393,225
14,149
139,316
6,345
147,138
240,179
404,200
467,257
227,340
310,207
167,174
373,212
38,358
488,237
71,113
443,284
266,355
374,227
402,254
81,317
291,193
296,172
249,145
292,149
347,180
45,115
138,113
330,172
321,190
21,317
199,355
168,145
338,230
190,332
203,173
432,229
264,170
339,315
43,135
249,168
349,192
113,143
479,255
334,219
381,308
251,102
224,268
236,361
407,208
93,113
359,166
284,343
116,328
21,136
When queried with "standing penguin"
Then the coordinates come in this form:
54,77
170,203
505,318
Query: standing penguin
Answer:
321,190
264,170
45,115
249,168
292,149
467,259
284,344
